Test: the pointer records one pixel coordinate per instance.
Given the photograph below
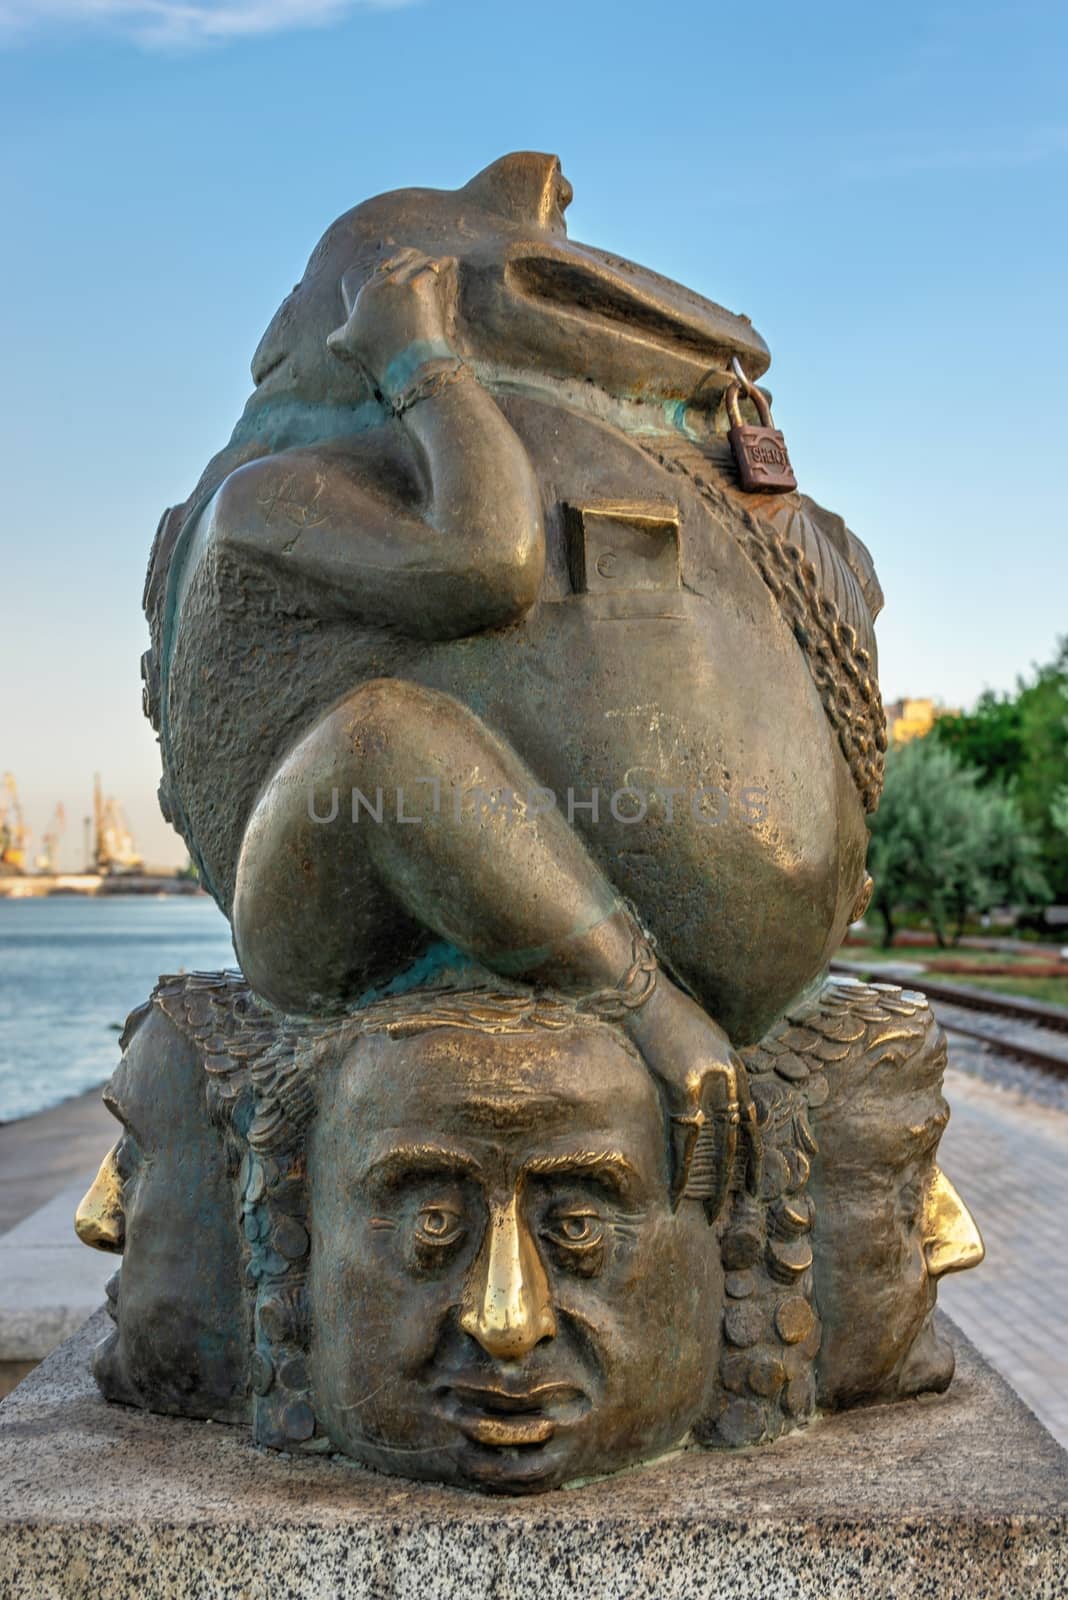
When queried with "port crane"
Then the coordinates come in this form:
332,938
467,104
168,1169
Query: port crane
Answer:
48,860
113,846
109,843
13,830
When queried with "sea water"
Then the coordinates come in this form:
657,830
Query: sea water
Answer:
72,968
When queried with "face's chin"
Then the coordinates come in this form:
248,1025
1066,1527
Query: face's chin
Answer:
516,1428
501,1429
109,1370
929,1363
515,1434
110,1359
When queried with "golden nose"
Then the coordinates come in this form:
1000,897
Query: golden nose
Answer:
506,1303
99,1221
951,1240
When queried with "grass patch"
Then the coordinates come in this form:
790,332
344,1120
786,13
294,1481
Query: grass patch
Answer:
1051,991
926,955
876,953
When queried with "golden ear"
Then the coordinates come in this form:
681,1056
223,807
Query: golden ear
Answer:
100,1220
951,1240
524,187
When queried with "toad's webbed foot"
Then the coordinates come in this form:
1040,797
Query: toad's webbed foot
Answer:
704,1080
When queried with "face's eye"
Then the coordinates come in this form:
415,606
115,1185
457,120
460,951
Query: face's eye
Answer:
439,1225
127,1157
576,1230
911,1203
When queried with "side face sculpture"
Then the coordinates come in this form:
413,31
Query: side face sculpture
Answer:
164,1200
502,1294
889,1222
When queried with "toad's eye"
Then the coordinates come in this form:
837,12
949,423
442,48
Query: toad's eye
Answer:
439,1225
576,1230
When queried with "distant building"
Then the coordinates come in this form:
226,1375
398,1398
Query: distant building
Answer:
914,719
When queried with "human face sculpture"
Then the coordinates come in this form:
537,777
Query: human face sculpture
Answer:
889,1225
163,1199
501,1294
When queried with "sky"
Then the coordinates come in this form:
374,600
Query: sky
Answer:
881,188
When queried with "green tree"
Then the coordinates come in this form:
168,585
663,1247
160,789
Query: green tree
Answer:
988,738
943,845
1059,810
1043,776
1020,742
1010,860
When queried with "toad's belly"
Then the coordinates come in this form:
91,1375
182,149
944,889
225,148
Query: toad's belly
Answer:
685,738
740,837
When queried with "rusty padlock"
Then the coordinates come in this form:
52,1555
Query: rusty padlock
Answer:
760,453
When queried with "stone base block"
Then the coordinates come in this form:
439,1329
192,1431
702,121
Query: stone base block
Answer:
964,1495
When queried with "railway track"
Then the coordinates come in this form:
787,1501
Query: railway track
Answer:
1032,1055
1024,1030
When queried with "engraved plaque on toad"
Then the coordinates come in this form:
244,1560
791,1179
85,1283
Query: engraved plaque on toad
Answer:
620,545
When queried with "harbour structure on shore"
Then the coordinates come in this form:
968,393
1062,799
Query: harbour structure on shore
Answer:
13,831
36,885
114,865
113,843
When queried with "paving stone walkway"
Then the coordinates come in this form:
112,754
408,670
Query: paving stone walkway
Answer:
1008,1156
41,1155
49,1282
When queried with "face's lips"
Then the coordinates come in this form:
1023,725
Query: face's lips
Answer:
111,1296
494,1397
502,1417
502,1433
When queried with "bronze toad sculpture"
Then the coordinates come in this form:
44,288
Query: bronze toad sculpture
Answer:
529,757
478,528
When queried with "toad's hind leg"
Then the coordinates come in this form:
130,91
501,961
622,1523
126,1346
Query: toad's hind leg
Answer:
400,816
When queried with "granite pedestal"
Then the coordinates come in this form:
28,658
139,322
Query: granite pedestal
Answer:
964,1495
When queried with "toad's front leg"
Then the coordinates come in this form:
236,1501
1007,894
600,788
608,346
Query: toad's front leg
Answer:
401,816
463,551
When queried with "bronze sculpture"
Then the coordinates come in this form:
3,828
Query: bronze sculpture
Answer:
370,594
164,1200
529,756
416,1315
500,1204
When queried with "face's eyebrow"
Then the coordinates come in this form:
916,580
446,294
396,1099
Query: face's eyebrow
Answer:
122,1116
114,1104
608,1167
121,1098
404,1161
927,1131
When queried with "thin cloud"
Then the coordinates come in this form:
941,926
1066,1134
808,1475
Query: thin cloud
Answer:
1022,149
170,24
823,168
